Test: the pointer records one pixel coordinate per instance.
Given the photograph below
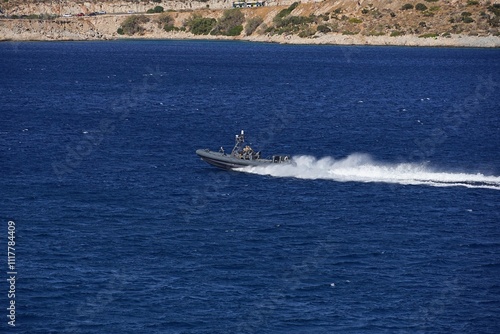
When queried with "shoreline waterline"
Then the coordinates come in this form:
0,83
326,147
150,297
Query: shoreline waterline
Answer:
455,41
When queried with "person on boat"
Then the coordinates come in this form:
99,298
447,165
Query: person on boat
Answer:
247,153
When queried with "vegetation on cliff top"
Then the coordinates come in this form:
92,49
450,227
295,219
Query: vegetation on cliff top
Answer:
133,25
200,25
230,24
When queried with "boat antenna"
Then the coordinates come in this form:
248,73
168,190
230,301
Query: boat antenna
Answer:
238,142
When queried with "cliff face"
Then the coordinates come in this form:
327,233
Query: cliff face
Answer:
392,22
61,7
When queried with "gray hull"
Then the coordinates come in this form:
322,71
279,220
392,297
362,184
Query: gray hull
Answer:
227,161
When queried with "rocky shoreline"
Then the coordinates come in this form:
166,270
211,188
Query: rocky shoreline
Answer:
84,31
452,41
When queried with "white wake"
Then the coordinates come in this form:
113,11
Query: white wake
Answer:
362,168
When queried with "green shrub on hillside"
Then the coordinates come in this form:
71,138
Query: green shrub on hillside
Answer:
467,19
429,35
396,33
295,21
230,23
420,7
495,9
252,24
407,6
495,20
133,25
355,20
200,25
235,31
307,32
166,22
285,12
292,25
170,27
323,29
324,17
157,9
165,19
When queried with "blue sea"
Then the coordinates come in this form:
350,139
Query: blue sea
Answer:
387,221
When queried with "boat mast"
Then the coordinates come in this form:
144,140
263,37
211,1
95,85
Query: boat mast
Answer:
238,141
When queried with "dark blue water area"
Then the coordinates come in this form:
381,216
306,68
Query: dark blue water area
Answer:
120,228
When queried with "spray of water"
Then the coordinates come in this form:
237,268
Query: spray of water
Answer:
362,168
